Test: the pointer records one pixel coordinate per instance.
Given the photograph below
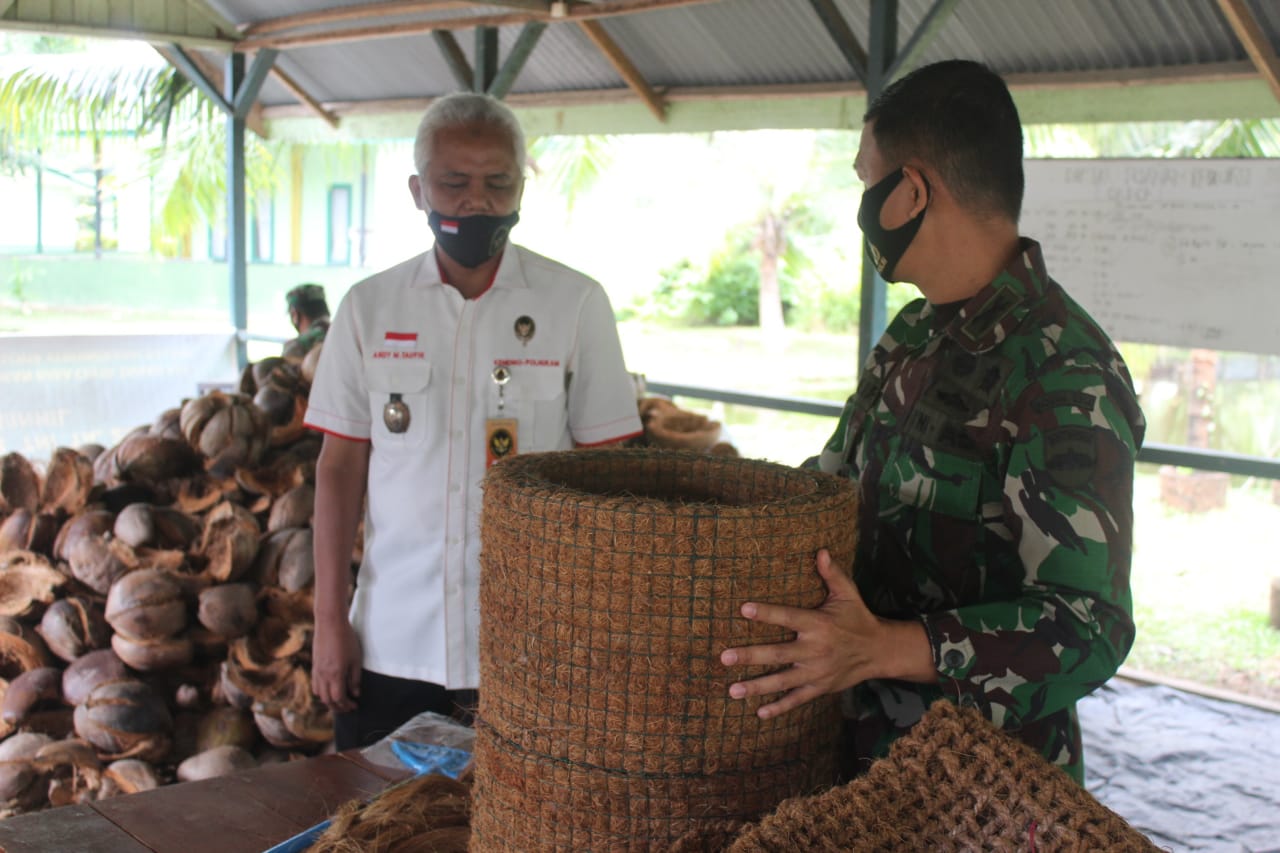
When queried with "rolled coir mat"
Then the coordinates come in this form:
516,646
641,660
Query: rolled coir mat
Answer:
611,581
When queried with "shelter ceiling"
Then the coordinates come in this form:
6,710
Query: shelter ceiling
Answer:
365,68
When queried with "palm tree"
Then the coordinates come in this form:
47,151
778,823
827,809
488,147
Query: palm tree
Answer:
53,102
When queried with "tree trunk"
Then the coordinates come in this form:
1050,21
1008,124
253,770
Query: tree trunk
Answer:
770,242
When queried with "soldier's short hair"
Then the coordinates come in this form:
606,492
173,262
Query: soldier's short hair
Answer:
463,109
958,117
308,300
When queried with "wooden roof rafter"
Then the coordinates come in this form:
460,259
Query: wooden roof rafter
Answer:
1246,27
553,13
625,67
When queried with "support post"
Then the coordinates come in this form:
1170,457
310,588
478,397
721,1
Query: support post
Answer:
237,266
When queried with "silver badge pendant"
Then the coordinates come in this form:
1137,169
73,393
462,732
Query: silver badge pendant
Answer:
395,414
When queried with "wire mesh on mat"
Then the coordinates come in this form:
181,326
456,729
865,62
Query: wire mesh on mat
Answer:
611,581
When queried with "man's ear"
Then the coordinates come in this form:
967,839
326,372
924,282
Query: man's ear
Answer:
415,189
920,189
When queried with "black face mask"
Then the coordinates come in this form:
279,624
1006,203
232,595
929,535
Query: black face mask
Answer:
885,247
472,240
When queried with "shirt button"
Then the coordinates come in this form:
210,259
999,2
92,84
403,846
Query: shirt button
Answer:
954,659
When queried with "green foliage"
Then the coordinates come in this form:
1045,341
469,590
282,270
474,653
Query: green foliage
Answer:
726,292
572,163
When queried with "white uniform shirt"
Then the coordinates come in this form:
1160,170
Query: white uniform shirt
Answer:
403,331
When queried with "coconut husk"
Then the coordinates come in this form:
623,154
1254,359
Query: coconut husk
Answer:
146,605
288,606
230,542
128,776
151,459
73,770
201,492
285,559
28,584
91,451
293,509
310,362
273,479
677,429
22,787
229,610
215,762
68,482
74,626
88,671
19,483
420,805
225,726
226,429
610,582
32,690
273,685
156,655
207,645
25,531
168,424
99,561
312,725
21,649
145,525
227,690
91,523
285,408
125,719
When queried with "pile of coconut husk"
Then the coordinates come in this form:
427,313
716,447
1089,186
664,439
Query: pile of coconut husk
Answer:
155,600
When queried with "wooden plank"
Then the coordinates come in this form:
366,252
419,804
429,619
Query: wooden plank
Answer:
244,812
1255,41
625,67
302,95
348,13
79,828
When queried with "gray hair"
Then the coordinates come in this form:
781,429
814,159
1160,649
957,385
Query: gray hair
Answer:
462,109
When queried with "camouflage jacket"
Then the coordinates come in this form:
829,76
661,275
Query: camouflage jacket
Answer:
302,344
994,446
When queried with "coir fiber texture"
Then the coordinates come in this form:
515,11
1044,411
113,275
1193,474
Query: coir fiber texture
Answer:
611,581
954,783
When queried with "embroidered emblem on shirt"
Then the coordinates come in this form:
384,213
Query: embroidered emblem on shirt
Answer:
400,340
525,328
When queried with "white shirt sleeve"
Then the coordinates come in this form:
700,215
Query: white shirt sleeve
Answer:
339,399
602,403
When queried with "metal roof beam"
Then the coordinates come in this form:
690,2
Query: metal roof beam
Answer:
454,58
838,28
930,25
623,65
519,55
1255,41
189,66
247,93
486,58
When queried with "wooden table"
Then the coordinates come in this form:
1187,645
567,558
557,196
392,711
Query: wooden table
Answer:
245,812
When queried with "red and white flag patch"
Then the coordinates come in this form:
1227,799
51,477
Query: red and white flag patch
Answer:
400,340
449,226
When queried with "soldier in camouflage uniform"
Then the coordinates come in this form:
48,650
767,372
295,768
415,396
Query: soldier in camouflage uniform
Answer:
993,434
309,314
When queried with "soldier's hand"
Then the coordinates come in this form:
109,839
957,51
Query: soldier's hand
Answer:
837,645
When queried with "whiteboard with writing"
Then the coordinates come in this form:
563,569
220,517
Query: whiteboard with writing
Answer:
1177,252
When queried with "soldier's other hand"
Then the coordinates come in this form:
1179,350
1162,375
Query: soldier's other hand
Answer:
836,645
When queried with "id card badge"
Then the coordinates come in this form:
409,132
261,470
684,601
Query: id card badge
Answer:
500,439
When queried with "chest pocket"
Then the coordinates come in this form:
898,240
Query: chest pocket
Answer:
412,381
541,403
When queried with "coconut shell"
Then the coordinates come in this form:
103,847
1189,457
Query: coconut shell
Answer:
226,726
313,724
276,733
99,561
67,483
169,424
19,483
125,719
281,640
73,769
134,525
230,541
21,649
151,459
28,584
229,610
34,689
218,761
87,525
21,785
288,606
74,626
154,655
293,509
285,559
229,690
146,605
16,530
127,776
226,429
88,671
91,451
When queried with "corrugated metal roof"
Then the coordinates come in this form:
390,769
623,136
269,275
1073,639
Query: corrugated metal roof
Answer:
721,44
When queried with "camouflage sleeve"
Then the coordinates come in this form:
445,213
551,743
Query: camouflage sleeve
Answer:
1067,508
